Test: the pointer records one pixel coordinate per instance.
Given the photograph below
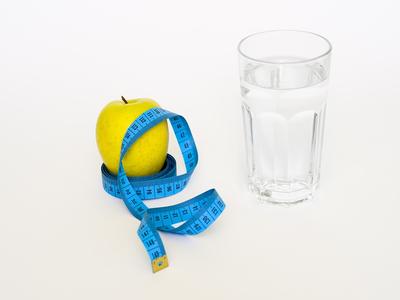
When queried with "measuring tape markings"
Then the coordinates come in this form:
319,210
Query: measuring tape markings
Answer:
197,213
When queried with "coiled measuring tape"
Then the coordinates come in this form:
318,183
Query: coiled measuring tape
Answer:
197,214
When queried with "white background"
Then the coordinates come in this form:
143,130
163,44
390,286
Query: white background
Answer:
62,237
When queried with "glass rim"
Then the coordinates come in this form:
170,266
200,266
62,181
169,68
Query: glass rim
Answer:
327,52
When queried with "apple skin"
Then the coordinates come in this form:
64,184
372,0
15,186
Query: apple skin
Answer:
147,155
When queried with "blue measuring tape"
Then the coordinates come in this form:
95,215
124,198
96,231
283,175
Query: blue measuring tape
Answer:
197,214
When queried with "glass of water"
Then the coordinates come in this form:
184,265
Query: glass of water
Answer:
284,79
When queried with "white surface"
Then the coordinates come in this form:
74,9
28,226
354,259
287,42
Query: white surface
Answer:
62,237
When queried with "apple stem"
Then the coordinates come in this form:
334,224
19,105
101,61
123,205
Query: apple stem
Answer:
123,99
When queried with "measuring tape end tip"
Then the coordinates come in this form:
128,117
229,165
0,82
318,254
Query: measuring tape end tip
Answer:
159,263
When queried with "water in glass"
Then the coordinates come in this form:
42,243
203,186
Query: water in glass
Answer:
284,127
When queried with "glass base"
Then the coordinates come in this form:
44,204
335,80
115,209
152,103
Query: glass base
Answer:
283,192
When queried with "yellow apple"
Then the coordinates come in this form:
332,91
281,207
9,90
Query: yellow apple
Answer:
147,155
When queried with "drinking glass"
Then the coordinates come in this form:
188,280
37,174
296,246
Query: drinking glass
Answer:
284,80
